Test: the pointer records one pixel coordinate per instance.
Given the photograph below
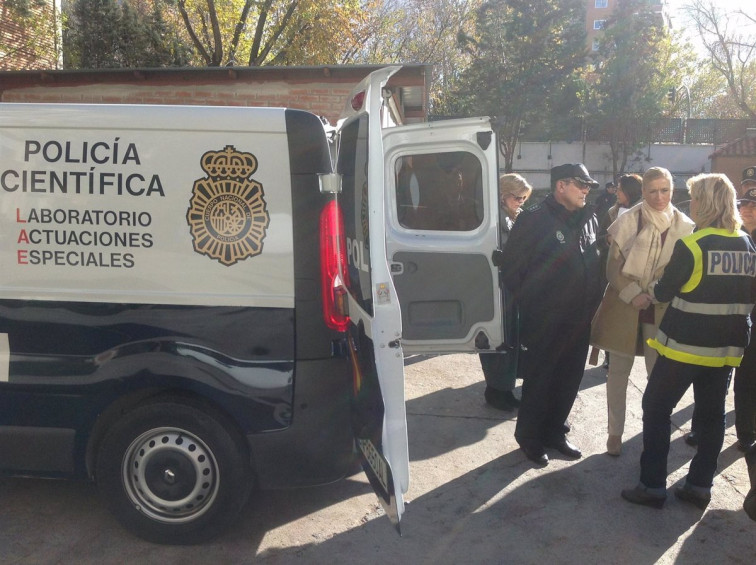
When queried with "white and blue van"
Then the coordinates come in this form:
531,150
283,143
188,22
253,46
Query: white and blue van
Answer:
195,301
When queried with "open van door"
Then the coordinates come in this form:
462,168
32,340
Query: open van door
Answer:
374,331
441,234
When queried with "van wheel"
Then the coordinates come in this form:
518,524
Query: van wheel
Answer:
173,473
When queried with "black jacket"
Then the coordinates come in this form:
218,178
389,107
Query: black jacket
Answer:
551,264
710,283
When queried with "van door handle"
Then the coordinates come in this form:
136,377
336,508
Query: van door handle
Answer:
397,343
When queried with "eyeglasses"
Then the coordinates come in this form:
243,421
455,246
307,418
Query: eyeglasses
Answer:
747,204
518,198
580,184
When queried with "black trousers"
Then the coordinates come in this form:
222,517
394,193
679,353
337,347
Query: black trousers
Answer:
745,396
666,385
551,367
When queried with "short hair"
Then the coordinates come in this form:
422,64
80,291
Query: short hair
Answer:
631,185
716,201
514,184
658,173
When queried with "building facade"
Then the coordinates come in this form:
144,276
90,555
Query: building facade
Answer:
598,13
31,42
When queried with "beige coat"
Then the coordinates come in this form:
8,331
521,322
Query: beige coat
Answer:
615,324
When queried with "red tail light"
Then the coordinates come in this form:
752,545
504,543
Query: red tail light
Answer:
358,100
334,277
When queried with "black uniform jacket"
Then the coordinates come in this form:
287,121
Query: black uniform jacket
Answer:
551,264
710,283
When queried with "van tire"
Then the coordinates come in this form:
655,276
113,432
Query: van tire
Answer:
173,472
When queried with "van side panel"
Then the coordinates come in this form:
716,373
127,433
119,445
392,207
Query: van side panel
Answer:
70,361
241,329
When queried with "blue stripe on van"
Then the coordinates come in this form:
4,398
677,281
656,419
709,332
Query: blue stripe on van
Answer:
68,360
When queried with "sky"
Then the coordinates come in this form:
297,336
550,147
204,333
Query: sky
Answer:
675,8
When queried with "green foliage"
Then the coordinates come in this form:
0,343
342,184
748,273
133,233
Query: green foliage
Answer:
635,67
24,8
524,57
118,34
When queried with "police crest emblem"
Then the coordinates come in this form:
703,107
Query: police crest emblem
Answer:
228,216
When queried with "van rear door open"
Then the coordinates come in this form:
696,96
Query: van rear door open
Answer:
379,418
421,217
442,229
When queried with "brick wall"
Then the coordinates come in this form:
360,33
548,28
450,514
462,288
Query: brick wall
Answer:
322,91
320,99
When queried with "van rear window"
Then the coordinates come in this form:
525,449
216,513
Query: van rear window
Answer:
439,191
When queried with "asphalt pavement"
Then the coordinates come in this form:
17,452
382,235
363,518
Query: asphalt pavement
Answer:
473,498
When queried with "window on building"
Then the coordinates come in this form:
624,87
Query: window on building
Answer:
599,24
601,3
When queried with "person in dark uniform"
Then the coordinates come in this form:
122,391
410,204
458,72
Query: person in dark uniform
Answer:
606,200
551,267
709,283
748,180
745,375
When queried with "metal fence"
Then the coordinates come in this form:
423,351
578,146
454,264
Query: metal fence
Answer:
671,130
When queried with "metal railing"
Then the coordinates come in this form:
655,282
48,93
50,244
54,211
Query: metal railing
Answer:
670,130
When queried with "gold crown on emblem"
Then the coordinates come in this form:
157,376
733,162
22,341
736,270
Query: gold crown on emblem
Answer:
229,163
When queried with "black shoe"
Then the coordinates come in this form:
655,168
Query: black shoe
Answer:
498,399
566,448
692,439
640,495
511,399
687,494
535,454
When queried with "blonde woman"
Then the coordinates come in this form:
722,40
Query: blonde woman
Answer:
642,240
709,283
500,369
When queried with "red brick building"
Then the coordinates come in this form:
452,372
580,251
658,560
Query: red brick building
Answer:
30,45
320,90
734,157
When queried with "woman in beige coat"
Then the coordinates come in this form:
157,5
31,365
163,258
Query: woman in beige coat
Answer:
641,246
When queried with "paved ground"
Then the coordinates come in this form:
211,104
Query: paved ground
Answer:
474,498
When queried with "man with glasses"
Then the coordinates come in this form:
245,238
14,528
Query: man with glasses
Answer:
550,264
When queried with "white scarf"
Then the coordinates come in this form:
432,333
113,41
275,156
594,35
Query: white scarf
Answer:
643,250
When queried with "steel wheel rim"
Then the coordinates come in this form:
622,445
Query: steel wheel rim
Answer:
170,475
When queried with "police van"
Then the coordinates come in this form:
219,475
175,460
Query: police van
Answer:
196,301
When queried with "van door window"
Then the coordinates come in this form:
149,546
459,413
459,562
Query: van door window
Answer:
439,191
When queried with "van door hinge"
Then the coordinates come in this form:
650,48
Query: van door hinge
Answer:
330,183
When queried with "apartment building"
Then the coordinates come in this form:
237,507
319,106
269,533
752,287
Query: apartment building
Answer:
31,43
598,12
